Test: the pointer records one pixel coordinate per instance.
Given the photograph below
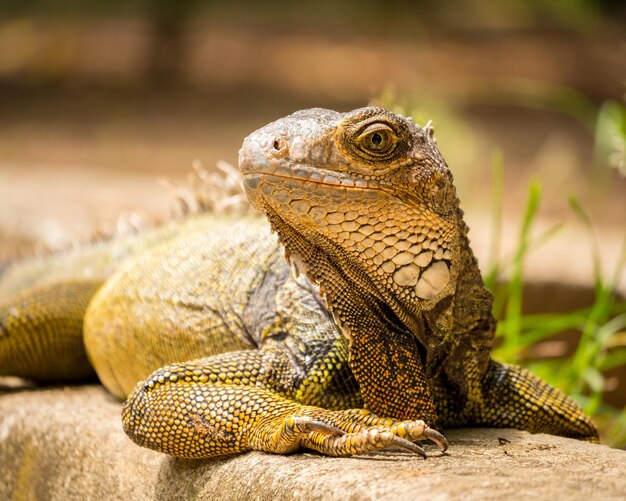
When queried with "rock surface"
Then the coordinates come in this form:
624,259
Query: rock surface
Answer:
67,443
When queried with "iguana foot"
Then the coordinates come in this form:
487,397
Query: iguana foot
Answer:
334,441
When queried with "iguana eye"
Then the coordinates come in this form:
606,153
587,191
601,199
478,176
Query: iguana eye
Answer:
377,139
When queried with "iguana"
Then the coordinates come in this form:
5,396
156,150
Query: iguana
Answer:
376,329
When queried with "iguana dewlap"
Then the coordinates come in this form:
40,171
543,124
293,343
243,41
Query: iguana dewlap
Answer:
380,328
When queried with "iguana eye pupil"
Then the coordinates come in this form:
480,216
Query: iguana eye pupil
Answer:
379,141
376,140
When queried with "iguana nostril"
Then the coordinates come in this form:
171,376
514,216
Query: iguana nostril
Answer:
280,148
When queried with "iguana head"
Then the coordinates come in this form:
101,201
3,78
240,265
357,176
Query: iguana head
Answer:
368,188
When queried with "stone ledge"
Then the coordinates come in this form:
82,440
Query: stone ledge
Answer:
67,443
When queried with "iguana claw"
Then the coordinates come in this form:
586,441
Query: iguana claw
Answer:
319,426
409,446
427,434
438,438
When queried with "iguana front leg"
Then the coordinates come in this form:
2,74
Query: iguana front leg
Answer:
240,401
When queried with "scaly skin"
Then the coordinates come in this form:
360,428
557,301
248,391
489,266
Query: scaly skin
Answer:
43,302
386,331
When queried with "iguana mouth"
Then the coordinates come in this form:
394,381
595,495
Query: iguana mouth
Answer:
315,175
333,180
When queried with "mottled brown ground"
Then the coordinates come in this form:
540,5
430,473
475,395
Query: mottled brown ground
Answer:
68,443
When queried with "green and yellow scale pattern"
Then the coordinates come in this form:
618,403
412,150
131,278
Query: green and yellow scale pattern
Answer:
285,371
220,346
229,290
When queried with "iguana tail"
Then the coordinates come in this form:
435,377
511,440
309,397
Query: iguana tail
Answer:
41,332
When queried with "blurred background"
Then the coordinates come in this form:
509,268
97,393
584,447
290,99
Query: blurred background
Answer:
99,100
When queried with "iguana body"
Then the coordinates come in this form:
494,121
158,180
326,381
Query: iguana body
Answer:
389,316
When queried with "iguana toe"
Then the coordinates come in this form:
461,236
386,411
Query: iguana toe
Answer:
355,437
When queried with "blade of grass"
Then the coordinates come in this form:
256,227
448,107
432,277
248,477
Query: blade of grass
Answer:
595,250
602,323
512,329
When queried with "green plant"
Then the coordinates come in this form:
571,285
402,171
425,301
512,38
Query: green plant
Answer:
598,331
610,135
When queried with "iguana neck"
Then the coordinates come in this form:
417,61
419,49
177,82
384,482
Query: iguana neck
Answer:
366,208
385,356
